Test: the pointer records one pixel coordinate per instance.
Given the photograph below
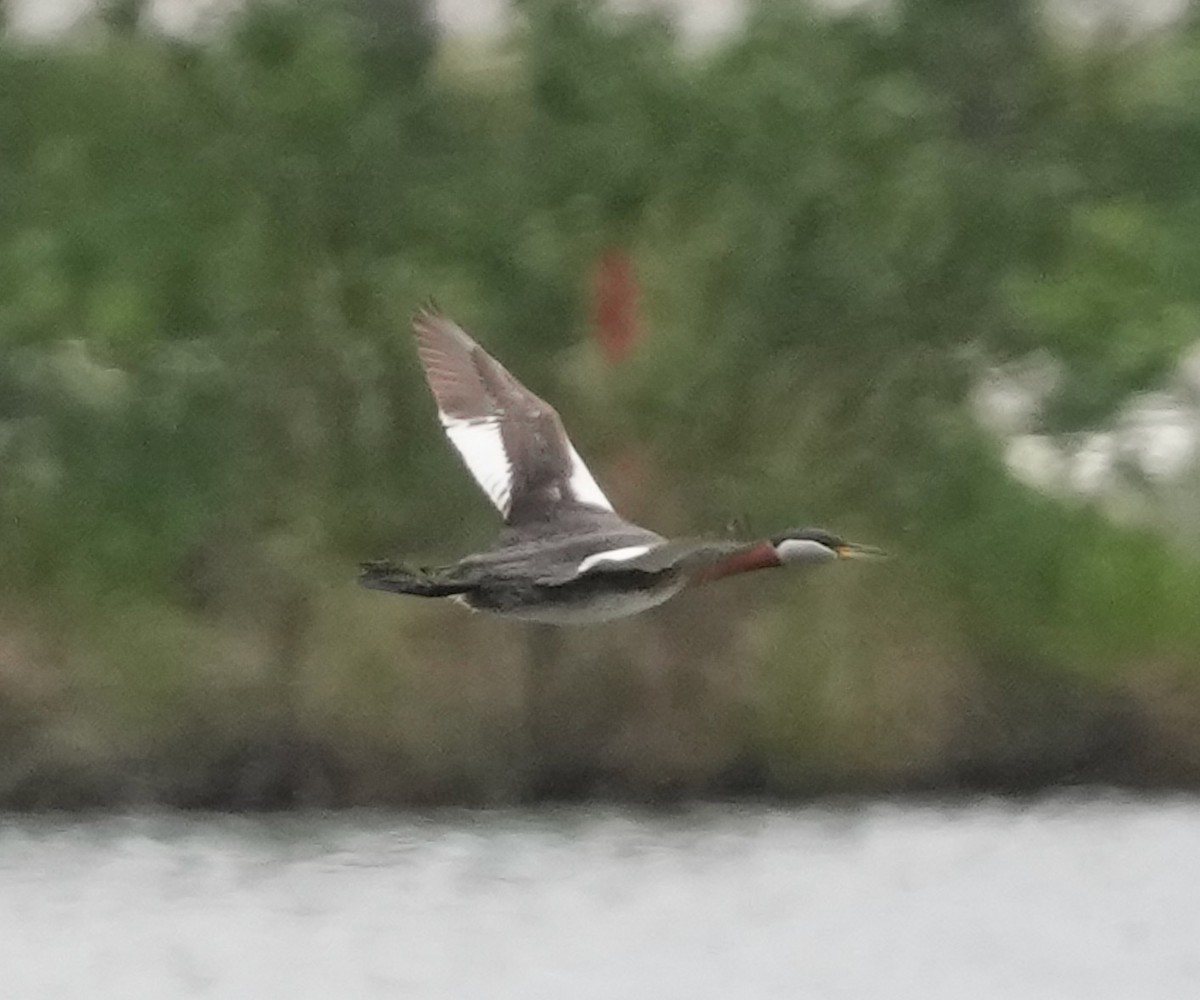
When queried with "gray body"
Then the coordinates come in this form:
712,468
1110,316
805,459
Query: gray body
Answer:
533,573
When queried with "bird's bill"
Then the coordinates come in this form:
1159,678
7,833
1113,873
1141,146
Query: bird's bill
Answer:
853,551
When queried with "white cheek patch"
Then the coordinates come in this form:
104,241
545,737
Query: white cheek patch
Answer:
482,448
803,550
584,486
613,555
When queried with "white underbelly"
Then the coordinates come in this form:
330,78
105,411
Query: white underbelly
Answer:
598,608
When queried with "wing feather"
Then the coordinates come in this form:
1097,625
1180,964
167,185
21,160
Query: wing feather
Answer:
512,441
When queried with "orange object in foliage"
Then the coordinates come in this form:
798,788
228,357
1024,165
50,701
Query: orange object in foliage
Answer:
616,305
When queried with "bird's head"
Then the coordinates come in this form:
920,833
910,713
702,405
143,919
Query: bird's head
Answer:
812,546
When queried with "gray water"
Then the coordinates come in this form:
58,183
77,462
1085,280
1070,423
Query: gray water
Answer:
1061,899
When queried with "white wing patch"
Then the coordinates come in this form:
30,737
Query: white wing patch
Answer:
585,487
481,445
613,555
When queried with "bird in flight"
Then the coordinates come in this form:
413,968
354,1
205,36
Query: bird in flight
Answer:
564,556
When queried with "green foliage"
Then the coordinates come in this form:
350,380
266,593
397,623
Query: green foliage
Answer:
208,251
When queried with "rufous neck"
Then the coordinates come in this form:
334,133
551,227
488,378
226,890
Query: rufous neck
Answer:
761,556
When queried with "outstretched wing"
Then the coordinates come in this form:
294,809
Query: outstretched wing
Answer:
513,442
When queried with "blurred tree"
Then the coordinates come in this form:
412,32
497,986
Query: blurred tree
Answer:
123,18
397,38
208,250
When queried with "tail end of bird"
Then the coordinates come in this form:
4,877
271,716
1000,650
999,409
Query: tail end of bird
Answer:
398,579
